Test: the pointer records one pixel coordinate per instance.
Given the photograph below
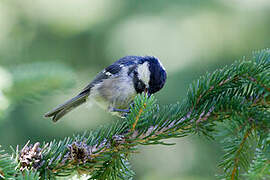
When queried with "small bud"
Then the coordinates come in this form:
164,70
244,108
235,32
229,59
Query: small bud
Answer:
79,151
118,139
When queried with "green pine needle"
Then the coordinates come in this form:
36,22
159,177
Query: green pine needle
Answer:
230,105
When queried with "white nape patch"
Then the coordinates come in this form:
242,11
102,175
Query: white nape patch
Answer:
144,73
121,65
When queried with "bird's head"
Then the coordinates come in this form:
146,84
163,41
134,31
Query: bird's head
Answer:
150,75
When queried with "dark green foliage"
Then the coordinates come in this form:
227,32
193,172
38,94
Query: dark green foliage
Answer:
260,166
7,166
27,175
117,167
230,105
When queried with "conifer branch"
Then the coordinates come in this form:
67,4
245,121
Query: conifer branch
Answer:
231,105
238,152
137,118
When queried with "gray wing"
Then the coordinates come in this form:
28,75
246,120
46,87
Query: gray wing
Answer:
111,70
81,98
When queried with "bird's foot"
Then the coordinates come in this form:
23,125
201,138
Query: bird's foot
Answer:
120,110
123,113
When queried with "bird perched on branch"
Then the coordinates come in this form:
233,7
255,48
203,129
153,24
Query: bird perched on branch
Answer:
116,86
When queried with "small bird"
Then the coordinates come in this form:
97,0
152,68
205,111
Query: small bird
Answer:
116,86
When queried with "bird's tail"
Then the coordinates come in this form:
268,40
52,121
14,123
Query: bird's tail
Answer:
69,105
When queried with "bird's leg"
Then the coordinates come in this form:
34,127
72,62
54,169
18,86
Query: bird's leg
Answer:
120,110
123,112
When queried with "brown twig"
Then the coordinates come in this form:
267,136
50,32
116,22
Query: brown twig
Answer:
255,80
137,118
2,175
211,89
236,160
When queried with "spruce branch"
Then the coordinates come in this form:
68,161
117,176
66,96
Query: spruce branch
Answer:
231,105
238,154
260,166
7,165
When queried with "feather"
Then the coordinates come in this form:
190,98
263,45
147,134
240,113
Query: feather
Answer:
66,107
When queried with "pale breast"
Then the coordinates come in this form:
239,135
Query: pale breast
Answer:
116,92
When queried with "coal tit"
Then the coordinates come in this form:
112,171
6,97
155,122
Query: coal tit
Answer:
116,86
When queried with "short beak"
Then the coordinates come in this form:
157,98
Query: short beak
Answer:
147,92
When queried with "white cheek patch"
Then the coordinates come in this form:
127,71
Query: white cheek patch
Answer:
144,73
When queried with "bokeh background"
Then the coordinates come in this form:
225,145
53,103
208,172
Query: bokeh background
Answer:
49,50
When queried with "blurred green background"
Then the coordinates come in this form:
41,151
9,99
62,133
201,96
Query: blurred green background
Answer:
49,50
